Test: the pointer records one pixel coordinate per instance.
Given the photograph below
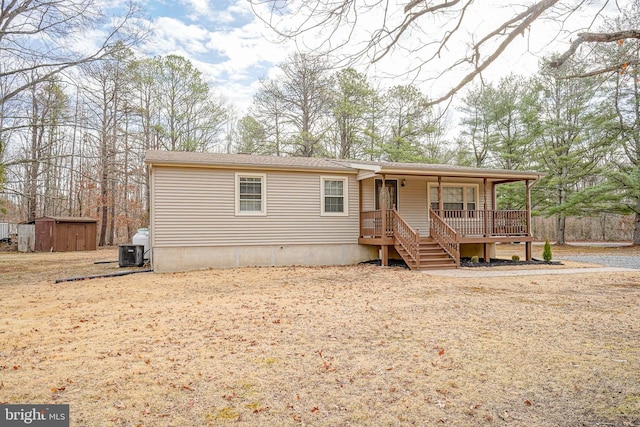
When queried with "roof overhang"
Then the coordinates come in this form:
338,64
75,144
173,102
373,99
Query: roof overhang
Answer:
366,171
252,167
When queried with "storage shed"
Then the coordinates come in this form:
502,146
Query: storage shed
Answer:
65,234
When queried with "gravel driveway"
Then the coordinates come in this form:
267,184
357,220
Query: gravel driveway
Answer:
618,261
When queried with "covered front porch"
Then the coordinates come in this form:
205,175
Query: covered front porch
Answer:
432,218
450,230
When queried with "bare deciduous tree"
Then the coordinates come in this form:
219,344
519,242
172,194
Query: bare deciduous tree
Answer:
305,90
269,109
40,38
430,31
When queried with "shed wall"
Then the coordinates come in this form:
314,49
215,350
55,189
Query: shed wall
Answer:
26,237
59,236
4,230
45,238
73,236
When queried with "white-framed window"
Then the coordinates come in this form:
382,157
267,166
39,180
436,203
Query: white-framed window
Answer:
335,195
251,193
455,197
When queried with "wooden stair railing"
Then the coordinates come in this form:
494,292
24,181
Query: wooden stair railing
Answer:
406,237
446,236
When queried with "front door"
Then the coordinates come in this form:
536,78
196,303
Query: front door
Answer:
392,188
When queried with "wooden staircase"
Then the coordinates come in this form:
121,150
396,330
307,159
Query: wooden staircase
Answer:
432,256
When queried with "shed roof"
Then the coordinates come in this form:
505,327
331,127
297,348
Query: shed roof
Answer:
68,218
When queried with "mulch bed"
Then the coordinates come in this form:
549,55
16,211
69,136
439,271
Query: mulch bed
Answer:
497,262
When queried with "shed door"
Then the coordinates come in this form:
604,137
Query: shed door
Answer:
77,237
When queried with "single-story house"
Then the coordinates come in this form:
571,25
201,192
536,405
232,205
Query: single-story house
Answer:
226,210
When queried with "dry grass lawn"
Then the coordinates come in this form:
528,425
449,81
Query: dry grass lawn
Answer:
357,345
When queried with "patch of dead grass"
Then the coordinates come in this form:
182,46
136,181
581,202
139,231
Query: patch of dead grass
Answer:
357,345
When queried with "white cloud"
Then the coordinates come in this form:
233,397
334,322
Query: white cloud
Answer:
200,7
246,53
233,56
179,36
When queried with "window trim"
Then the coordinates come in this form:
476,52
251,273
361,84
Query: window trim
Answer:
464,193
263,193
345,195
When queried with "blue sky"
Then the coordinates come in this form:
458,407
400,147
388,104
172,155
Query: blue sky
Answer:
234,49
221,37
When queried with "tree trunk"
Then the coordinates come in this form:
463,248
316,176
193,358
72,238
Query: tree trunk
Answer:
561,222
636,228
103,209
33,167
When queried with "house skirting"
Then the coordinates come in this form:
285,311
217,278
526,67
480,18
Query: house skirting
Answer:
468,250
197,258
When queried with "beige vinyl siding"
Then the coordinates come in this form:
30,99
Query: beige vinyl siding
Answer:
368,191
413,204
196,207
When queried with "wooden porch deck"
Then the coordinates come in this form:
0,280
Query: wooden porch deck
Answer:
448,229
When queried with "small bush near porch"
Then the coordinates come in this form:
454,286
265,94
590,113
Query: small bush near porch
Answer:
358,345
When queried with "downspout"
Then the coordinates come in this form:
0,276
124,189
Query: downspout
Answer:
151,213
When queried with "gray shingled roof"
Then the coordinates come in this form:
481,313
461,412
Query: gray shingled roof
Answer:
312,163
221,159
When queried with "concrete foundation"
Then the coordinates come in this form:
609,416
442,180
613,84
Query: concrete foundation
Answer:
198,258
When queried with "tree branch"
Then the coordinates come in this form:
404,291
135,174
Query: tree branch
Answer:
593,38
530,15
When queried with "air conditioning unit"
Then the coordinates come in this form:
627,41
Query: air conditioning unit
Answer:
131,256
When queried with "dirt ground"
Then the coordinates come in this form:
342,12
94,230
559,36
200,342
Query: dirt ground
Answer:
356,345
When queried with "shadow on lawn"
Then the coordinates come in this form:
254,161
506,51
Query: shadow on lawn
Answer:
466,262
498,262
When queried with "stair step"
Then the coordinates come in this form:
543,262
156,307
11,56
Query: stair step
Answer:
432,256
432,251
438,267
436,261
